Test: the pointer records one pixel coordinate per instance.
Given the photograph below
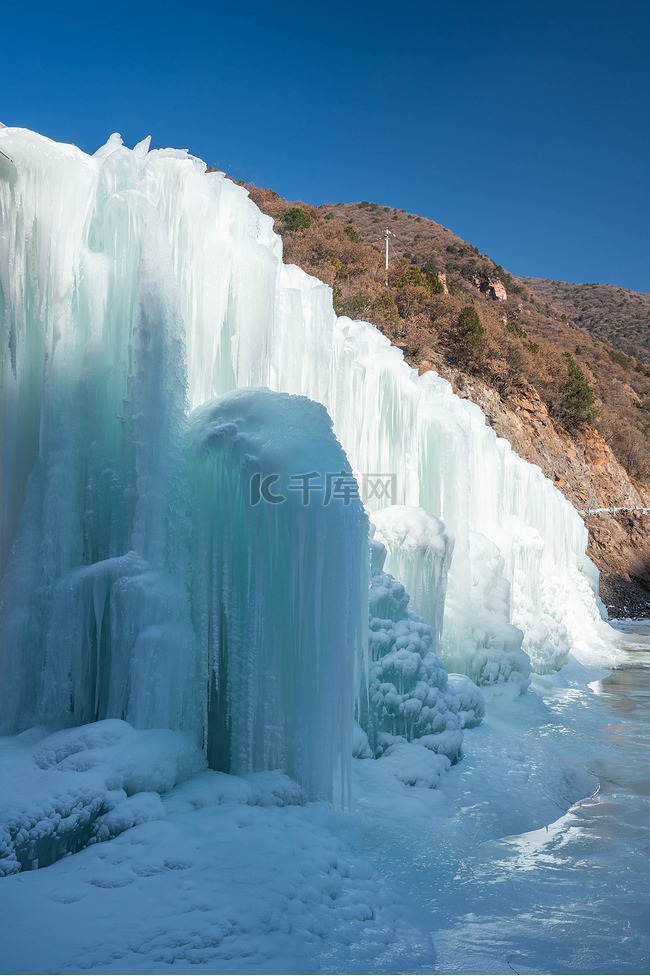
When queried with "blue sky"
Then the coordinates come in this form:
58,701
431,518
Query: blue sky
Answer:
522,126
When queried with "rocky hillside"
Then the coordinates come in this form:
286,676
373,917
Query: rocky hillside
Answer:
578,408
616,316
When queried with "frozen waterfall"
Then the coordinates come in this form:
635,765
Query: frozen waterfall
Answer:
134,287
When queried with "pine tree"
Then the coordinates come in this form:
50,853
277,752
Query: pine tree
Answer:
579,395
467,338
296,219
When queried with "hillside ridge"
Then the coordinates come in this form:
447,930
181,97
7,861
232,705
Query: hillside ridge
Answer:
567,401
617,316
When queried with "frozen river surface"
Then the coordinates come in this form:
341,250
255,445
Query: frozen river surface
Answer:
573,896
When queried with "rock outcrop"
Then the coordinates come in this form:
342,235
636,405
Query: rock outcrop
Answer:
491,288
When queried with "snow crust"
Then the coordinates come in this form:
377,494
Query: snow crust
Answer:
63,792
238,874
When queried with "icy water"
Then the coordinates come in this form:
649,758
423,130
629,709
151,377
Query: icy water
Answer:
573,896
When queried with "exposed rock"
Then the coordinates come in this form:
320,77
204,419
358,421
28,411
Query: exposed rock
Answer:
491,288
622,598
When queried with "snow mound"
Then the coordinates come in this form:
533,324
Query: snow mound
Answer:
470,699
84,785
212,788
415,764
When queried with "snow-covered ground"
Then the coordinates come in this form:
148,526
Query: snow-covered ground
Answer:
486,873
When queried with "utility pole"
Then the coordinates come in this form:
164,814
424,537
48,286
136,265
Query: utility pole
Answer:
387,236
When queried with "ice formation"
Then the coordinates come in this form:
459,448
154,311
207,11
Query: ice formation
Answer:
419,554
134,286
144,585
279,583
407,696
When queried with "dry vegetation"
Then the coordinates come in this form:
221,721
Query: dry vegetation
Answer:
616,316
521,341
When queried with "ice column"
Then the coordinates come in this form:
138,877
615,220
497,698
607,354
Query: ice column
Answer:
96,617
280,587
419,555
